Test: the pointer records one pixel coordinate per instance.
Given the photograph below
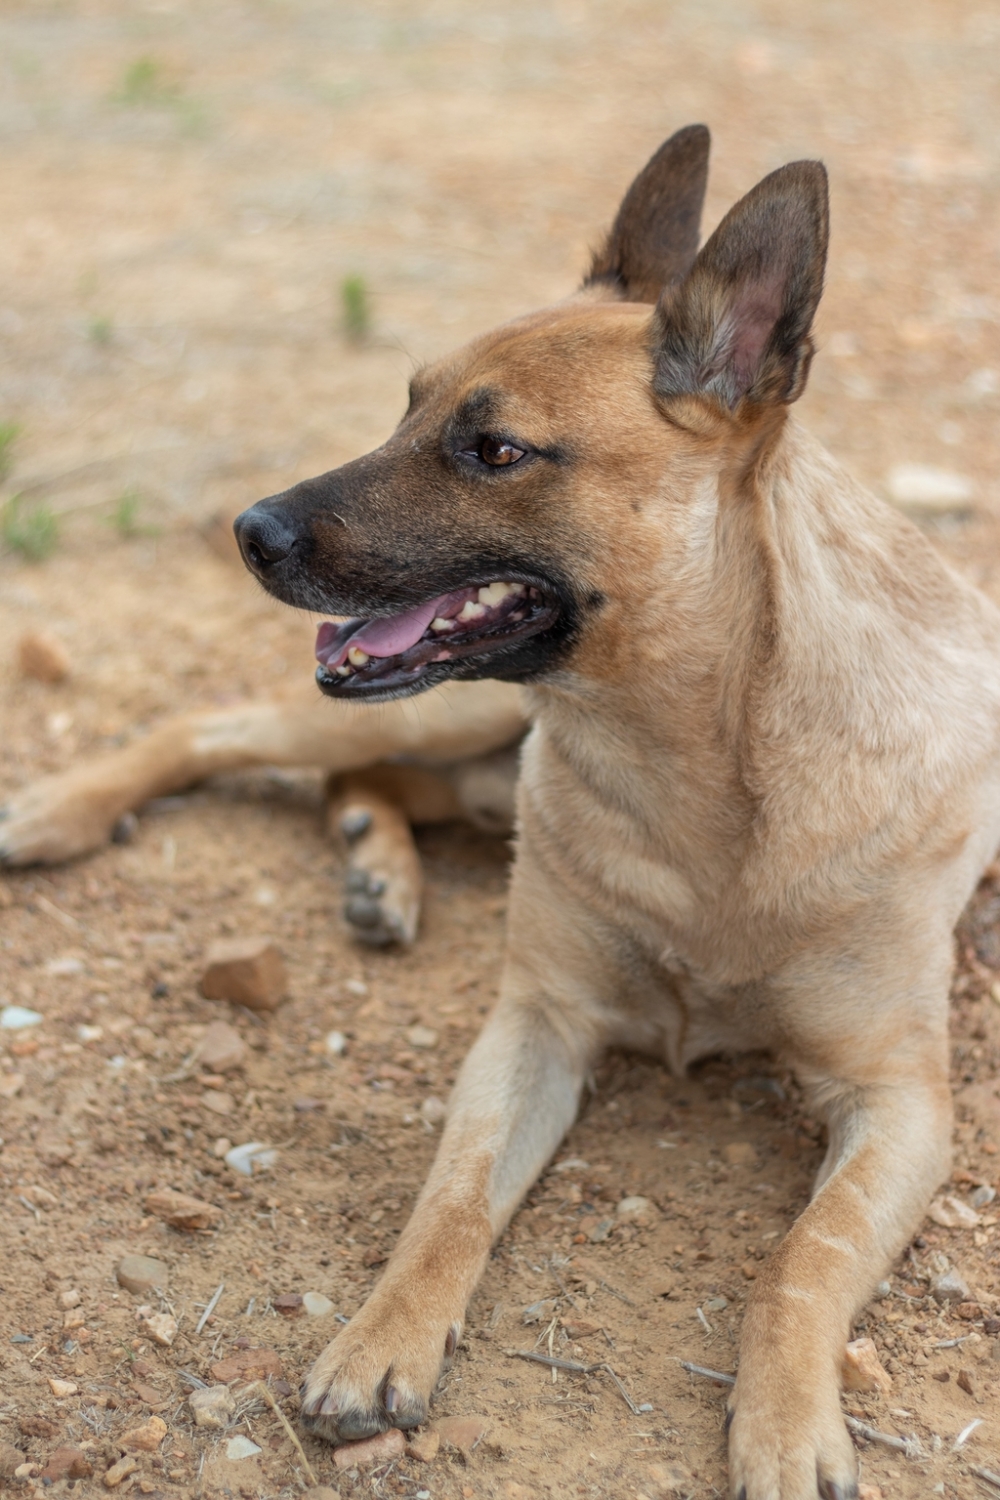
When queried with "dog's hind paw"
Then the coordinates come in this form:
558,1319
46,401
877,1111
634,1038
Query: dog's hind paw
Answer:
780,1451
376,911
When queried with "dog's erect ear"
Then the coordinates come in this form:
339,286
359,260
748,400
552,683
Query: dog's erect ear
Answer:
738,327
654,239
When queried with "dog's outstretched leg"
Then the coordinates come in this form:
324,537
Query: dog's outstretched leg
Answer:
889,1117
77,810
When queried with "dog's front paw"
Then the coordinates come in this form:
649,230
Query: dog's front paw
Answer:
379,1373
379,910
787,1441
54,819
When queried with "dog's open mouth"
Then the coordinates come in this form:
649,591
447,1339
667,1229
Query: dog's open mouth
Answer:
395,651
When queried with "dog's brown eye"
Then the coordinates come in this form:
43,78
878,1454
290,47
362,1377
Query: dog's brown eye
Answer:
493,451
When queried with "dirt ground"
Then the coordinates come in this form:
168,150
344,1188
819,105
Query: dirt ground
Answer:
183,190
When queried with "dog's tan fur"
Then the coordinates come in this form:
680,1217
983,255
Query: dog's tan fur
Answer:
763,778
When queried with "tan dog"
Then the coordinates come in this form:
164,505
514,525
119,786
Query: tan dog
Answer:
763,777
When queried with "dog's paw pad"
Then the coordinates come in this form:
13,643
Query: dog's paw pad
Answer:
371,912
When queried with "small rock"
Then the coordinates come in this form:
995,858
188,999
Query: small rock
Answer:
336,1043
241,1447
42,656
221,1147
970,1312
289,1304
10,1458
862,1370
18,1018
577,1330
375,1450
739,1154
749,1269
119,1471
572,1164
70,1298
869,1492
145,1438
218,1101
159,1326
248,1364
306,1105
964,1379
716,1304
149,1394
247,971
141,1273
221,1048
66,1463
422,1036
463,1433
927,490
423,1446
62,1387
433,1111
42,1198
952,1213
251,1158
633,1208
26,1471
316,1305
74,1318
180,1211
983,1196
949,1287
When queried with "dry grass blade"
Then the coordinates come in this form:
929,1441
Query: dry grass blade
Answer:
910,1445
260,1387
986,1474
706,1373
210,1308
574,1367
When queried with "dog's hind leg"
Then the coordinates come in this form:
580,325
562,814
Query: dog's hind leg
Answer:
76,811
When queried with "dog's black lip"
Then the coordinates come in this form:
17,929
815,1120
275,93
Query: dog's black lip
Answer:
373,683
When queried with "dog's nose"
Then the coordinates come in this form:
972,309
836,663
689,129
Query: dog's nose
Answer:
264,537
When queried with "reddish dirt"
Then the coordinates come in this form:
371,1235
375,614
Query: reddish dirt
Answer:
174,240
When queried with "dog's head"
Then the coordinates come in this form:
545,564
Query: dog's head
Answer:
545,479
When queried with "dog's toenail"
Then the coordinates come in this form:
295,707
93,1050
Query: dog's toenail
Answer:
355,822
392,1399
362,912
730,1414
357,881
125,829
329,1407
451,1342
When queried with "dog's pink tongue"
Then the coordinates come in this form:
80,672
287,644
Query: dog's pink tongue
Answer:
397,633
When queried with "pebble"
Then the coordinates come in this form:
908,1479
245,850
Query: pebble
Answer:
463,1433
423,1446
927,490
862,1369
983,1196
144,1439
120,1471
62,1387
18,1018
43,656
572,1164
248,1364
740,1154
336,1043
71,1298
633,1208
952,1213
246,971
241,1447
433,1110
316,1305
949,1287
220,1146
141,1273
222,1048
422,1036
218,1101
251,1158
66,1463
10,1458
289,1304
181,1211
160,1327
375,1450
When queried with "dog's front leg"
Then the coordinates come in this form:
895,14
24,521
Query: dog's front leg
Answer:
889,1145
515,1098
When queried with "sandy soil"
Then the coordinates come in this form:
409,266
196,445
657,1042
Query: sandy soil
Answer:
182,195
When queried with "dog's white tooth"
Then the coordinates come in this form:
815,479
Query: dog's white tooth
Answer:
442,624
343,671
357,657
494,594
472,611
516,588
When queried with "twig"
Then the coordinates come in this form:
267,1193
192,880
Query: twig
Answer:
193,1380
574,1367
704,1322
212,1305
265,1392
706,1373
910,1446
952,1343
986,1474
616,1293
